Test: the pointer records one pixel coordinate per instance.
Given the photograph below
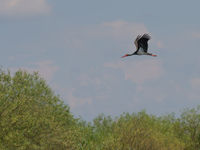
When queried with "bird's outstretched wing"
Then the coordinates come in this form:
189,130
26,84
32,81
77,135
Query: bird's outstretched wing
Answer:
143,42
136,41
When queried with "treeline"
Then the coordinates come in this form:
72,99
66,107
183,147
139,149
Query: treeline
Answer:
32,117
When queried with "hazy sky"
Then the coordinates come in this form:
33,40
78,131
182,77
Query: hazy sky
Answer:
76,46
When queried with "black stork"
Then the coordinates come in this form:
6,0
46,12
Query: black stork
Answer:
141,44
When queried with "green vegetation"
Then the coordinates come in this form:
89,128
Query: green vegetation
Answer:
32,117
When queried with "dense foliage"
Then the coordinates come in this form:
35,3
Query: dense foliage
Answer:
32,117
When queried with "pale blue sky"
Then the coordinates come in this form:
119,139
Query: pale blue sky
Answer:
76,46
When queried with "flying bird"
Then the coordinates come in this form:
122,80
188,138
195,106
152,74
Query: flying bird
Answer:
141,44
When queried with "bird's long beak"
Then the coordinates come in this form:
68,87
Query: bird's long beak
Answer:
124,56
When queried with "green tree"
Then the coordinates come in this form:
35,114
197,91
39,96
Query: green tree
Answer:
187,128
141,132
32,117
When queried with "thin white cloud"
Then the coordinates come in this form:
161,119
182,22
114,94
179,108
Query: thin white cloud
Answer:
194,92
155,94
23,7
46,69
196,35
75,101
195,83
120,30
123,28
86,80
115,29
189,35
139,71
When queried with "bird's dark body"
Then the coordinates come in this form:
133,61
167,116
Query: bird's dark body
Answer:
143,43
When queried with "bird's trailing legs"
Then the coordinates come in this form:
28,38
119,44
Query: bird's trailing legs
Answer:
151,54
